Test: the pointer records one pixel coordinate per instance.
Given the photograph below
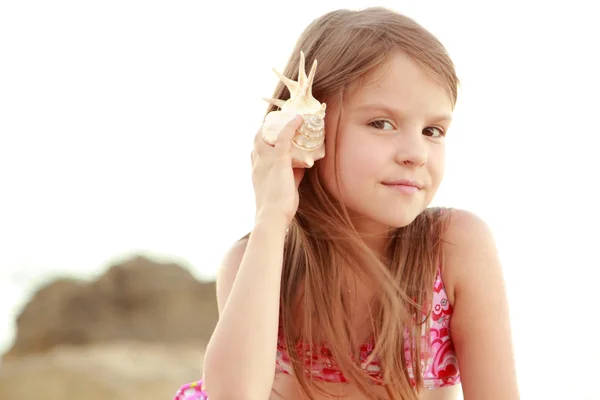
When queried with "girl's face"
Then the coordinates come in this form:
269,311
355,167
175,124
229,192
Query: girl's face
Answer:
391,153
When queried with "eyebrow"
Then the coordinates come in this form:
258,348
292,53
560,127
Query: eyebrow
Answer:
383,107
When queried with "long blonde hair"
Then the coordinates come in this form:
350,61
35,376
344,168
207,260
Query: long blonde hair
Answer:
322,241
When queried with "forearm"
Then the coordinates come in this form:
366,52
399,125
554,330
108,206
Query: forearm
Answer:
240,357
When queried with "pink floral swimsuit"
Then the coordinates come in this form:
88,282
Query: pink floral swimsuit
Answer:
440,365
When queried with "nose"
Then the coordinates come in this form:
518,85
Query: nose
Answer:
411,148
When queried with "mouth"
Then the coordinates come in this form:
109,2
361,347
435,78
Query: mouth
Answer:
404,186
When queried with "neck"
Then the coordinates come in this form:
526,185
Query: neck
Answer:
375,235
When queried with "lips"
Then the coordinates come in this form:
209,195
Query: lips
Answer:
404,182
404,186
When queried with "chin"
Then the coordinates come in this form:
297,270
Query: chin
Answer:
380,223
381,215
397,218
400,221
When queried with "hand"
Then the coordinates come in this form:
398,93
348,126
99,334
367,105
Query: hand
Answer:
275,181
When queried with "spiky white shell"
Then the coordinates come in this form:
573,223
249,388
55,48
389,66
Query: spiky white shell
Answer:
309,139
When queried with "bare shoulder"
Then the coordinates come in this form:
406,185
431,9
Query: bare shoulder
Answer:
480,324
466,235
228,270
465,226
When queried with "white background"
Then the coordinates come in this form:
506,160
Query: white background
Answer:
126,127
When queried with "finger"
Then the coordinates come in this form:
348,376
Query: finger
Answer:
261,147
283,145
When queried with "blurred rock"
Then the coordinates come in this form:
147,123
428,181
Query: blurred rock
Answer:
115,371
139,300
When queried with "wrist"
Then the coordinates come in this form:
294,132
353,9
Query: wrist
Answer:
276,223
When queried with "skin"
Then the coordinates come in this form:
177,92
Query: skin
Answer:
402,137
393,126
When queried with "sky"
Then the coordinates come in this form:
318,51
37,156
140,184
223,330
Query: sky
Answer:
126,128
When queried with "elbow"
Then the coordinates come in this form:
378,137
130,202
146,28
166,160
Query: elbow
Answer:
223,381
219,380
219,389
230,387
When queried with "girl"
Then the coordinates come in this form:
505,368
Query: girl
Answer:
349,285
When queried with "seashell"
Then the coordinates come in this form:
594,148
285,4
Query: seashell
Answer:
309,140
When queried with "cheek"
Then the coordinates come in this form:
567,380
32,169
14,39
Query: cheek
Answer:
355,165
361,161
437,163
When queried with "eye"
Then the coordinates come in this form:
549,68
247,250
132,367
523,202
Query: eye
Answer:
382,124
434,131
